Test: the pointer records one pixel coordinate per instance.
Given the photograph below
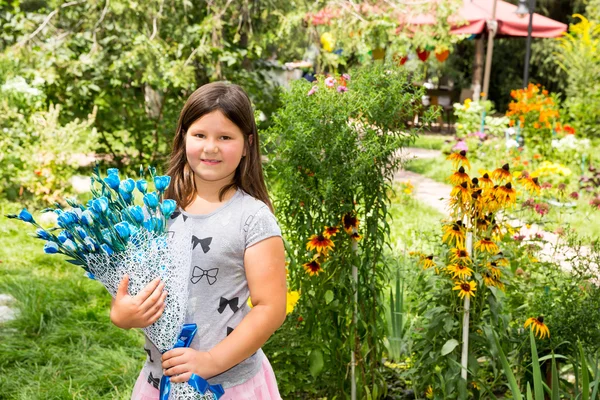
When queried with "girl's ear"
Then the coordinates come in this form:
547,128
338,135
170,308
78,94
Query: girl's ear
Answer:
250,139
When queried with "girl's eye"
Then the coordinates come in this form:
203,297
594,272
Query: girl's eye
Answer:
198,135
225,137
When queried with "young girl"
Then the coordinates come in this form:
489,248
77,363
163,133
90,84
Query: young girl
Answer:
238,253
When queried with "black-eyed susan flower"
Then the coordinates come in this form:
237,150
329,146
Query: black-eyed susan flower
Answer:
502,173
461,193
493,269
427,261
486,245
465,288
356,236
506,195
501,260
330,231
429,392
460,254
529,183
454,234
459,158
313,267
459,177
537,325
459,270
485,181
350,223
319,243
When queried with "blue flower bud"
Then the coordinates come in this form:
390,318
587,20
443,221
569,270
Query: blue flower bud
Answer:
81,232
168,207
100,205
87,218
67,218
24,215
90,244
113,181
142,186
123,230
42,234
150,224
113,171
50,248
64,236
107,249
127,185
70,245
137,213
127,197
152,171
151,200
162,182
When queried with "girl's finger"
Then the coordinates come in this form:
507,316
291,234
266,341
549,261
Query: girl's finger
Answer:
172,354
176,370
153,297
154,317
181,378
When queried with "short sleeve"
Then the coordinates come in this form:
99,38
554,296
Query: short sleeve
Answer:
260,226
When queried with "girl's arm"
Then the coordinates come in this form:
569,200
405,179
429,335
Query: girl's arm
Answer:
265,271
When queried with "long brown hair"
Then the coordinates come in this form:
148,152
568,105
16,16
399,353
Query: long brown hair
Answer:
234,103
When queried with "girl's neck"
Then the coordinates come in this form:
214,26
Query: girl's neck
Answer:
207,196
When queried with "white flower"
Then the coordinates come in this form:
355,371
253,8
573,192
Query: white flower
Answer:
510,143
511,131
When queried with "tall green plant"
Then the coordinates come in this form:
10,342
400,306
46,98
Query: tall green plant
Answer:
336,153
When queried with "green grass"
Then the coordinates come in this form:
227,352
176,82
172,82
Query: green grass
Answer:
414,226
62,344
430,141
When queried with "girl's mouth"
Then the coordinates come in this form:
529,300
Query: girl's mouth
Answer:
209,162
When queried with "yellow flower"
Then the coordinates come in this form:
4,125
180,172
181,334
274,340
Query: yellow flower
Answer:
465,288
502,173
313,267
538,326
429,391
486,245
327,41
485,181
460,254
459,270
427,261
292,299
506,195
461,193
319,242
350,223
330,231
459,177
459,158
454,233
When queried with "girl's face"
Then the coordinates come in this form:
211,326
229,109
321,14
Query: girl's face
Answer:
214,148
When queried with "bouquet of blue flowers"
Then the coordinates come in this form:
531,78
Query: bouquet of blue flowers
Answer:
112,236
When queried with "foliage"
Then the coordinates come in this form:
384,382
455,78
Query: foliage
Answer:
336,143
469,118
579,56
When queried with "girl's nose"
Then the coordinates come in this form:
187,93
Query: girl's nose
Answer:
211,147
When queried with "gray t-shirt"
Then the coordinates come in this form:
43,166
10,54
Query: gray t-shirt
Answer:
218,289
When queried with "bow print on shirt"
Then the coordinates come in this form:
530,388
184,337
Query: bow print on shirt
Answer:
205,243
177,214
153,381
233,304
199,273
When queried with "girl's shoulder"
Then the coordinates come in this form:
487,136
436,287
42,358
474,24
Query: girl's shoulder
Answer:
251,205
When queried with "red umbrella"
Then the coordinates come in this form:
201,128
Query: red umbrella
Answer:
472,16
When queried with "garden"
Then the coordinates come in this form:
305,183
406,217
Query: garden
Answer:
493,294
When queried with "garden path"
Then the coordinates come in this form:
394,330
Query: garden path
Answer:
435,195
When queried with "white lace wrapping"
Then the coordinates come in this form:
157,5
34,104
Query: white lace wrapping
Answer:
147,257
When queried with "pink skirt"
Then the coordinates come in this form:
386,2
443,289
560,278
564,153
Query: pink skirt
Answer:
263,386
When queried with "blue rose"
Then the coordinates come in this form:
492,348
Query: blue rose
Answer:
128,197
137,213
70,245
81,232
142,186
123,229
90,244
24,215
113,171
100,205
151,200
151,224
127,185
42,234
162,182
167,207
113,181
87,218
107,236
67,219
107,249
50,248
64,236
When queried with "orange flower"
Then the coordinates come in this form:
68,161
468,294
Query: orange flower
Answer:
459,158
502,173
330,231
350,223
459,177
312,267
320,243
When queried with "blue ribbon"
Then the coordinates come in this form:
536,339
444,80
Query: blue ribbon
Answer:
200,384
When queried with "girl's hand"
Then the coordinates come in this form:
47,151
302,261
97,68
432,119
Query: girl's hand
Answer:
182,362
141,310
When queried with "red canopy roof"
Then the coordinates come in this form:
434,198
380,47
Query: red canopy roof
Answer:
476,12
